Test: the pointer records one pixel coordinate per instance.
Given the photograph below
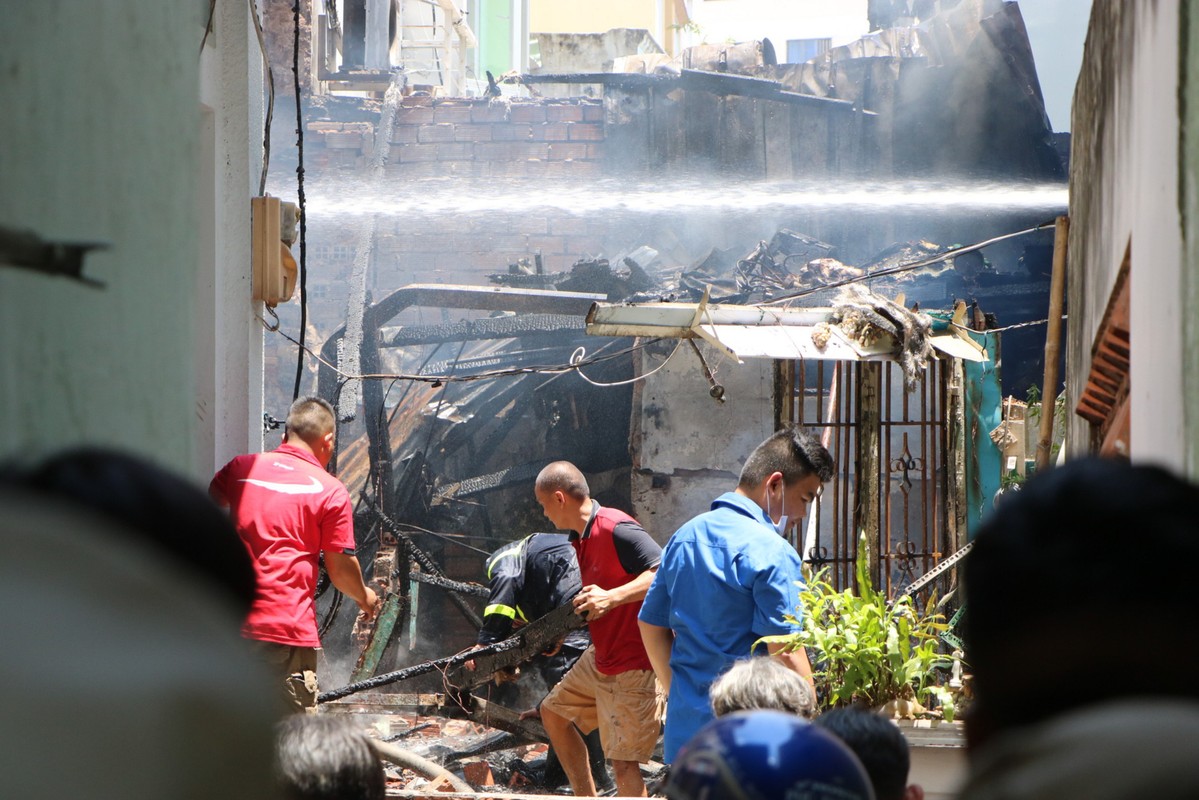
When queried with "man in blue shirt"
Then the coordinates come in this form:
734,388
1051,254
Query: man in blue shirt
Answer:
728,577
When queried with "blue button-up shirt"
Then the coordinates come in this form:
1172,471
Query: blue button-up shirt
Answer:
726,579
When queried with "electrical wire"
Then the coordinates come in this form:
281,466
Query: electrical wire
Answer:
549,369
270,101
1013,327
303,282
580,353
956,251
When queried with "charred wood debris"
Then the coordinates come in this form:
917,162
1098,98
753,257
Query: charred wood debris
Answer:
433,453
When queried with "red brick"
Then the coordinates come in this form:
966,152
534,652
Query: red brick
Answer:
568,226
527,112
586,132
595,150
593,112
563,112
341,140
547,244
419,100
414,115
472,133
404,134
321,125
441,132
460,168
451,113
534,168
415,152
455,151
551,132
538,150
509,132
562,151
583,245
587,169
489,112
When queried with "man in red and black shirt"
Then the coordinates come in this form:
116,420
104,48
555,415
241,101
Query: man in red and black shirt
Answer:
288,510
612,686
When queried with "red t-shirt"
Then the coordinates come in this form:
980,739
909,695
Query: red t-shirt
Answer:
287,509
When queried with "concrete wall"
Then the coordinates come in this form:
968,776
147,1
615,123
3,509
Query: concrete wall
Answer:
1189,185
691,447
118,131
100,140
1124,198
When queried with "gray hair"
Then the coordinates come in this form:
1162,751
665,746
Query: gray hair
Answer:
762,682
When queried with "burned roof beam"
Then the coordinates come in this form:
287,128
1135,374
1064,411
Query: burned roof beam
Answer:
724,83
438,295
480,329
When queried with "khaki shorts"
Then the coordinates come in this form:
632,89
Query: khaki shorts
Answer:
627,708
295,670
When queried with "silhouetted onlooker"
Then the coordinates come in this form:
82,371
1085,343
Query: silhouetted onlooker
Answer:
879,745
1081,636
161,508
766,755
762,682
125,674
322,757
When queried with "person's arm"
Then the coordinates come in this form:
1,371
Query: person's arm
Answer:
658,643
795,660
346,575
592,602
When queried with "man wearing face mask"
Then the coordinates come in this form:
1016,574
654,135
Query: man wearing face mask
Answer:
728,577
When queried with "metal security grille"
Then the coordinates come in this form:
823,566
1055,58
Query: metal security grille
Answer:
892,451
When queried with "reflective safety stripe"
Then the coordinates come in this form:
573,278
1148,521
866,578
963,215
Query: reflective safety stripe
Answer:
521,612
513,552
502,610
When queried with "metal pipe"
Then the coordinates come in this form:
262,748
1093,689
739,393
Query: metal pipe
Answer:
421,766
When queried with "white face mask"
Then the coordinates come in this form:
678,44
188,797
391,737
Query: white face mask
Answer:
780,527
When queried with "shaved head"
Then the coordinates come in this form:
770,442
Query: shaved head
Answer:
565,477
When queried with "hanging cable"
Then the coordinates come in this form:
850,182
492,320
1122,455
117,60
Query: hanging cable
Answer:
270,98
576,360
303,282
955,251
547,369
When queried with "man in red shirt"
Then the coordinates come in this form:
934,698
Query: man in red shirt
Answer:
288,510
612,686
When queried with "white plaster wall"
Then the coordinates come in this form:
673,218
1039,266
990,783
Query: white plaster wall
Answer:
229,397
118,130
1136,204
692,441
778,20
1151,167
100,141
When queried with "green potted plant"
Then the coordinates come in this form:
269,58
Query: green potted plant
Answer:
871,652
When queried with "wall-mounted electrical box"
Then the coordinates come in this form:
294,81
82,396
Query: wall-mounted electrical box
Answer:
273,230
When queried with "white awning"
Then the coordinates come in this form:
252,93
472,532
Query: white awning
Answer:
760,331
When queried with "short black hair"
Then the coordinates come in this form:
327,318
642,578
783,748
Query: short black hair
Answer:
310,418
879,745
1066,577
792,451
160,508
324,757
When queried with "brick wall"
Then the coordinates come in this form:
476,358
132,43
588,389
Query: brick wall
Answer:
459,138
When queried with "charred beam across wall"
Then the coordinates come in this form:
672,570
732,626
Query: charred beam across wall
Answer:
724,83
480,329
436,295
538,357
522,473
